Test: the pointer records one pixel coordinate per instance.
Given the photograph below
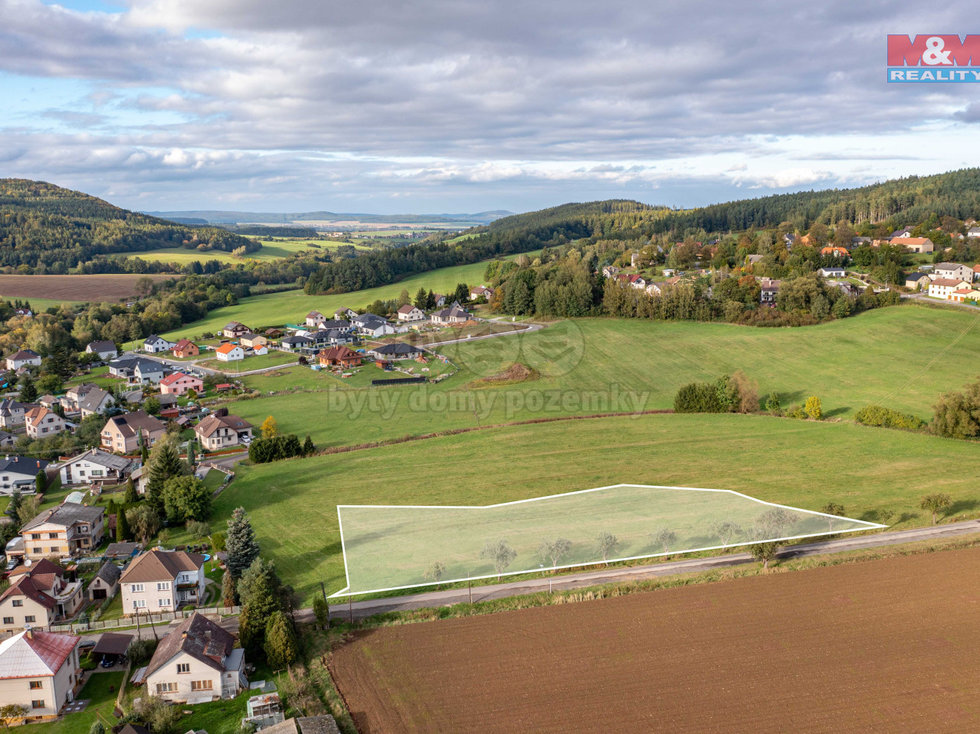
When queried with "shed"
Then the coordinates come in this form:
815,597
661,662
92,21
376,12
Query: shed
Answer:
115,644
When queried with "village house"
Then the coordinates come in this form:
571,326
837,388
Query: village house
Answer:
186,348
345,313
371,324
66,530
328,338
440,300
961,295
137,370
918,245
23,358
251,341
455,314
11,413
39,595
953,271
229,353
105,583
339,357
835,251
295,343
234,330
105,350
197,661
95,402
481,291
408,312
768,291
832,272
162,581
336,325
155,344
632,280
973,232
220,430
944,287
7,439
395,351
95,466
609,271
124,433
42,422
39,671
314,319
179,383
917,280
20,473
901,234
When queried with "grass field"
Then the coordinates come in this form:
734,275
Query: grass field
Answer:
802,464
605,365
837,649
101,689
254,362
271,250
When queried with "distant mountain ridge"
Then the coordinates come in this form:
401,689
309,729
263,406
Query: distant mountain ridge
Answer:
219,217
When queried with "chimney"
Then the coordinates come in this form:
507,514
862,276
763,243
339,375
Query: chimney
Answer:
28,632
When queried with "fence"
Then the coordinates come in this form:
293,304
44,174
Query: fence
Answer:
148,619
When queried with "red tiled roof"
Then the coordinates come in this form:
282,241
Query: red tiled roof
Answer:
50,648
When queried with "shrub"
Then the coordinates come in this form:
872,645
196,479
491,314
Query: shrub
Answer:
813,408
274,448
877,415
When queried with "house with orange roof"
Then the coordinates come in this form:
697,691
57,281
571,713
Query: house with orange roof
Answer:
944,287
42,422
229,352
918,245
835,251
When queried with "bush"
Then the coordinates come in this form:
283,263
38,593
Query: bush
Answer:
275,448
198,529
140,651
729,394
877,415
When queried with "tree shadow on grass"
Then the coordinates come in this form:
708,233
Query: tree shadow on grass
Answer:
836,411
962,506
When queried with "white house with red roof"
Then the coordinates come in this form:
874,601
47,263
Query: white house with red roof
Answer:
229,352
408,312
179,383
40,672
23,358
37,596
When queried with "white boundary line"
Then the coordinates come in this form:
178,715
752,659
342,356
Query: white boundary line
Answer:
345,591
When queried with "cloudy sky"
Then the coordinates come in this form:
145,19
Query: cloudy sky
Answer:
457,105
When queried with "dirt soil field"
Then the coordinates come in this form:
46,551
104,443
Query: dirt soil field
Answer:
100,288
886,645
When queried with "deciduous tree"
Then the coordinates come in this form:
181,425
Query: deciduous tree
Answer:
936,503
500,553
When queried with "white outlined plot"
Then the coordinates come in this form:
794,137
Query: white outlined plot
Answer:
391,547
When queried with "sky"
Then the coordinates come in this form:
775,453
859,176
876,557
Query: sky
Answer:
431,106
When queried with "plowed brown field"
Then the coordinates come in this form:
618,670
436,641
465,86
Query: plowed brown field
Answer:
106,288
879,646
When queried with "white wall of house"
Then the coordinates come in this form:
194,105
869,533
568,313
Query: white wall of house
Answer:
18,612
52,691
183,677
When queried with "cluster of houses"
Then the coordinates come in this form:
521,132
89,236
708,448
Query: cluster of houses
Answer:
948,281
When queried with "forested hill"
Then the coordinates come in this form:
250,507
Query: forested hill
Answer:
45,228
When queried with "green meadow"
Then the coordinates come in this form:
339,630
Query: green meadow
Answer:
798,463
902,357
271,250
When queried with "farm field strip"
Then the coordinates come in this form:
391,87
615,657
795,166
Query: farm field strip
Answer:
73,288
842,648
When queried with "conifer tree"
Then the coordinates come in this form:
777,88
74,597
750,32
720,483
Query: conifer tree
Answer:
240,543
165,464
281,648
122,525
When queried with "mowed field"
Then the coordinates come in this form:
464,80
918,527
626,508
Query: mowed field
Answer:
903,357
797,463
882,645
271,250
73,288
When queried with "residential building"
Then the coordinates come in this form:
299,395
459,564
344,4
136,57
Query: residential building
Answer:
901,234
162,581
11,413
197,661
179,383
835,251
917,245
455,314
42,422
106,582
295,343
440,300
252,341
314,319
220,431
973,232
328,338
481,291
339,357
335,324
768,290
396,351
944,287
229,352
962,295
155,344
96,402
96,467
66,530
609,271
345,313
954,271
20,473
137,370
632,280
373,325
915,280
234,330
124,433
408,312
186,348
39,596
105,350
39,671
753,259
832,272
7,439
976,272
23,358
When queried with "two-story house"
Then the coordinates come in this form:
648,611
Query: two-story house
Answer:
953,271
38,596
162,581
408,312
105,350
39,671
23,358
220,430
197,661
42,422
154,344
66,530
123,434
11,413
96,467
229,352
186,348
20,473
234,330
179,383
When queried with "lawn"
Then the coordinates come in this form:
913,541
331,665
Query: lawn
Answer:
255,362
606,365
274,309
97,376
217,717
102,689
802,464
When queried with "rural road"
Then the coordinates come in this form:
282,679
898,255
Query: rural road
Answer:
366,608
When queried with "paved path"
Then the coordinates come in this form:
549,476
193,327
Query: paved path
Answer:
360,609
925,298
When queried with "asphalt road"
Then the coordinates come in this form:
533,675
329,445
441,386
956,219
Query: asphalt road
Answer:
339,608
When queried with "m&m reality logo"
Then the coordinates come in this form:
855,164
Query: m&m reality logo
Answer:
934,59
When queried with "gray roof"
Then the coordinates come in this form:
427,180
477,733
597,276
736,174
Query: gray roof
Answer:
101,346
8,405
93,399
949,266
97,456
22,465
297,340
131,363
67,514
396,348
109,573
